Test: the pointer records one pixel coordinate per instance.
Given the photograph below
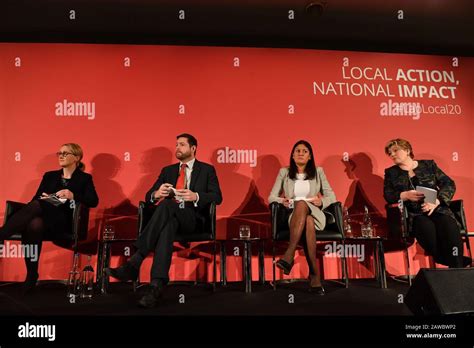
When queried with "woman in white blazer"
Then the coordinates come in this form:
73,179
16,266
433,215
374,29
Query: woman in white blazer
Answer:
304,188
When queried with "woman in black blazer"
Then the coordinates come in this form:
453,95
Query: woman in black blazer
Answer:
433,225
40,219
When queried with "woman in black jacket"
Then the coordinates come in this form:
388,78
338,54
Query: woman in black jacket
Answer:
40,218
432,224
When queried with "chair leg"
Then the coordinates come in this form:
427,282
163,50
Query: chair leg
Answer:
261,263
468,245
223,257
408,263
345,273
214,267
274,266
75,255
381,263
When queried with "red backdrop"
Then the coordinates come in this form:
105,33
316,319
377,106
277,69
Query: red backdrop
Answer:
260,100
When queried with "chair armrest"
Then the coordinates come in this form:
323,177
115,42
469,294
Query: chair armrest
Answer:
145,211
335,209
457,207
277,210
212,219
11,208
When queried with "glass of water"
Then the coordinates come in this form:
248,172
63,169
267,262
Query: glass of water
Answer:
366,231
244,231
109,232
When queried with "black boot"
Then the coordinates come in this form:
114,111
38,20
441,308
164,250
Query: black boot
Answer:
31,275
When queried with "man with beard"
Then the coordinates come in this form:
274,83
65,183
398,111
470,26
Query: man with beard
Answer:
183,192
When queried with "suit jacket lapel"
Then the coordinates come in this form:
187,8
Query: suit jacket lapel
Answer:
315,185
57,183
195,174
174,174
312,187
74,179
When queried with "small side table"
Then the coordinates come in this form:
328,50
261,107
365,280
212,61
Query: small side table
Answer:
103,261
379,257
246,261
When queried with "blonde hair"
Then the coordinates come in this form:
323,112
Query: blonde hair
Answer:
76,150
401,143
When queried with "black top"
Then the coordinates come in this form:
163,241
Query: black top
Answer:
64,182
427,174
58,220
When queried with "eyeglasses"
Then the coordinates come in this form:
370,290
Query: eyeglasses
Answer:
63,154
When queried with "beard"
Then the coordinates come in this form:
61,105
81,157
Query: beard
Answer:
183,155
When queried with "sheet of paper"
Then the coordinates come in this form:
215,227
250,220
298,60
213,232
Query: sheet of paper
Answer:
430,194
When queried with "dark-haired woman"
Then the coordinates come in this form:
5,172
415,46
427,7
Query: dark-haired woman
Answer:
40,218
303,186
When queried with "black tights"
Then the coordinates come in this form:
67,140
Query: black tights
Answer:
29,223
302,221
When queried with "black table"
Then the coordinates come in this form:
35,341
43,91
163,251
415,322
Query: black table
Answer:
103,261
246,261
379,256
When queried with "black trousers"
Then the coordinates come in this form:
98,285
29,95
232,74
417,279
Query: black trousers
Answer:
440,237
159,235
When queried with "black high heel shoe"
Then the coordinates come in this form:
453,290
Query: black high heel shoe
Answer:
285,266
318,290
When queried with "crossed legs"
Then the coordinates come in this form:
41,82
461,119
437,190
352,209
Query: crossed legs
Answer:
302,222
29,223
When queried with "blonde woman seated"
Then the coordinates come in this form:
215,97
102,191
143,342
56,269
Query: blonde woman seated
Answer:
306,188
40,219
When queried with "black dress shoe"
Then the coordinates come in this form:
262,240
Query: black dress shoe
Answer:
152,298
285,266
124,273
318,290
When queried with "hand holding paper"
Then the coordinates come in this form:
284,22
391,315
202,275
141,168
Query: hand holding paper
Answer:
53,199
429,193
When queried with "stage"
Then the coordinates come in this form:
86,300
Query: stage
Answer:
362,298
194,314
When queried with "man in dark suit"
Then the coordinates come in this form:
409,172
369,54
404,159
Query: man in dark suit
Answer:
183,191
